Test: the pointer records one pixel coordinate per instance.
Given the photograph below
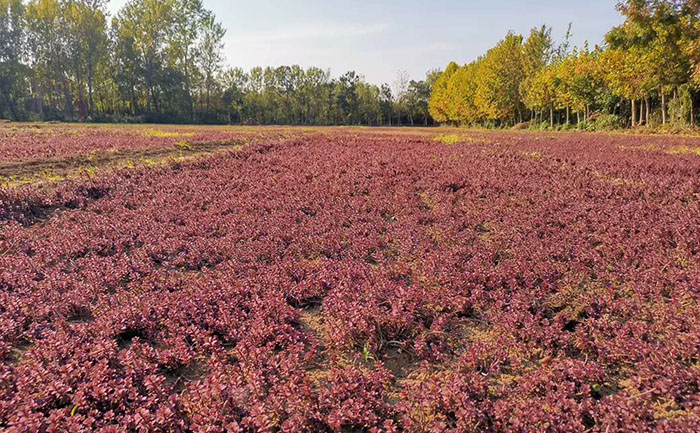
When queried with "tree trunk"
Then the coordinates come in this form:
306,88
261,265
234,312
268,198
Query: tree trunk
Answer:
551,116
634,113
134,103
663,107
648,112
692,110
10,104
208,97
148,92
149,85
91,102
82,106
188,87
52,100
102,103
156,105
68,99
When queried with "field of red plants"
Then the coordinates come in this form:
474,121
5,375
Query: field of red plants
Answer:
43,141
353,280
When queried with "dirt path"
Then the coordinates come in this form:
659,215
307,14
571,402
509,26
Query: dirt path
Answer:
52,169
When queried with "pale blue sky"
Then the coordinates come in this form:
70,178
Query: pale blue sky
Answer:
378,38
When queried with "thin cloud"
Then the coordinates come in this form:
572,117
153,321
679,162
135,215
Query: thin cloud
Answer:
325,31
439,46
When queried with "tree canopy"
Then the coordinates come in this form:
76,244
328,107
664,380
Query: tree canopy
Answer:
652,57
163,61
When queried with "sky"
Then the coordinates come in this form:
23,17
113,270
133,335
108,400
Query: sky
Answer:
378,38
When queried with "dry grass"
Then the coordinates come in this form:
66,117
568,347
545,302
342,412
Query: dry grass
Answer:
59,169
449,139
684,150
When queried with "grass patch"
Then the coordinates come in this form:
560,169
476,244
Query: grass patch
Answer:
449,139
166,134
684,150
536,156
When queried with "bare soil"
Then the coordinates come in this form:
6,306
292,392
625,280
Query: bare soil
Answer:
33,170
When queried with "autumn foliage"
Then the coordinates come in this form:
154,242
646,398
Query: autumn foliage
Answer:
645,73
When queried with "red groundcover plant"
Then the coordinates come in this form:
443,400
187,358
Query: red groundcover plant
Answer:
360,282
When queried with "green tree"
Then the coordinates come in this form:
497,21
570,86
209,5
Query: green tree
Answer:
386,103
368,103
127,69
12,69
189,16
210,58
146,23
417,97
51,53
87,25
537,50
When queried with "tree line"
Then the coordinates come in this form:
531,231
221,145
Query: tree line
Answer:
647,72
162,61
294,95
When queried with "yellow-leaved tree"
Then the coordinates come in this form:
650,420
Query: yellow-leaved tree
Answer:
500,74
539,93
461,90
439,102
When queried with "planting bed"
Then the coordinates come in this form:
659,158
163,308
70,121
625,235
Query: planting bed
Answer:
359,280
20,142
32,153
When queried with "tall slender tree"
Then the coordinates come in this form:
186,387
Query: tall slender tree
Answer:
210,53
12,55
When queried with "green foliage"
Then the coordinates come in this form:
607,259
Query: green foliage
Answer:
537,50
13,85
679,108
367,354
605,122
162,61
